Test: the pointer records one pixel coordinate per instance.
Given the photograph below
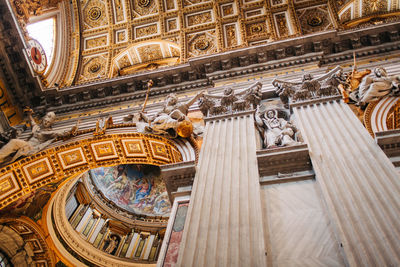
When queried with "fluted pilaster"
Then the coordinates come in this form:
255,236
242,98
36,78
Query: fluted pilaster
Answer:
224,222
359,183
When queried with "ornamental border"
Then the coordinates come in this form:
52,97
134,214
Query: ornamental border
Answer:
63,161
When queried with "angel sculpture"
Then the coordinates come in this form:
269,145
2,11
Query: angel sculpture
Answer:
309,87
377,85
172,120
42,136
274,130
230,101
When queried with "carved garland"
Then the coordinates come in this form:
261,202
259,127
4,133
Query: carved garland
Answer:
58,163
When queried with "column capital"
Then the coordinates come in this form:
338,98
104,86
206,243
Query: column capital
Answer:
228,116
320,100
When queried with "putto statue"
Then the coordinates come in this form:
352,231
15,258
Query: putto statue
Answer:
310,87
275,131
172,120
42,136
250,98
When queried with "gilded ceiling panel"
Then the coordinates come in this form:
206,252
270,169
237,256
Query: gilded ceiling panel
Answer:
96,42
170,5
196,27
94,14
373,6
204,43
200,18
228,9
342,3
278,2
193,2
144,8
119,11
257,30
94,67
282,24
314,19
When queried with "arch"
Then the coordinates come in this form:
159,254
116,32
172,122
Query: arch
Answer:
354,12
379,114
25,242
145,55
66,160
63,229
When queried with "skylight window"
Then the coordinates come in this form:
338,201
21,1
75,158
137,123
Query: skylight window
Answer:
43,32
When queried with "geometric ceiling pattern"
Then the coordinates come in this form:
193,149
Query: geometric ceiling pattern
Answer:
109,38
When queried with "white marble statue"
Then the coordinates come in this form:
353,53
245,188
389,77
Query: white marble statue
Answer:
275,131
42,136
172,119
377,85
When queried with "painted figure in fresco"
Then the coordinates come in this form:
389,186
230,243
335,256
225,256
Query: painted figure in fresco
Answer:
143,190
275,131
172,120
42,136
136,188
377,85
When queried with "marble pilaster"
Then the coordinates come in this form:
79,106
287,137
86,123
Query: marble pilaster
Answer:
359,184
223,225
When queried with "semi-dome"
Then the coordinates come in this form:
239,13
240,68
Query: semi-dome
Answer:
137,189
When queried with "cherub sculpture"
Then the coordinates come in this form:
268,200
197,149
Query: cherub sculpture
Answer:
275,131
309,87
42,136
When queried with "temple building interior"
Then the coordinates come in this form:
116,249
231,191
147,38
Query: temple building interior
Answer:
199,133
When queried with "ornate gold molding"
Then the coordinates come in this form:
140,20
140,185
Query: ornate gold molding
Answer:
62,162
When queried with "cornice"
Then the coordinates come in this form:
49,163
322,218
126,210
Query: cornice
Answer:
322,48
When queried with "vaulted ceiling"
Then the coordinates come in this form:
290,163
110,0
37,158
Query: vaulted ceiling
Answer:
111,38
106,50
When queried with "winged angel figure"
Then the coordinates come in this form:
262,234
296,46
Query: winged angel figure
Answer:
310,87
211,105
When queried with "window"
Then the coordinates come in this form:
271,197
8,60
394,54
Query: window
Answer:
44,32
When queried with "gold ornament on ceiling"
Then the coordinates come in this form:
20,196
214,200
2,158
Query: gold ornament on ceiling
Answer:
144,7
95,67
94,13
144,3
202,44
315,21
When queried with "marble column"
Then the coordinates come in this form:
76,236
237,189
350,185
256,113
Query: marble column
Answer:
358,182
224,223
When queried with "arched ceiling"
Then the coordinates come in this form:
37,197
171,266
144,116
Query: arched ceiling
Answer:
143,35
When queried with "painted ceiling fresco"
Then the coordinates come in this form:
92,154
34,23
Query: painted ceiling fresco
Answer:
136,188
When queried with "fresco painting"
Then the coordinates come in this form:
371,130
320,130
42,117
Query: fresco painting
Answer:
135,188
